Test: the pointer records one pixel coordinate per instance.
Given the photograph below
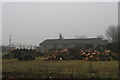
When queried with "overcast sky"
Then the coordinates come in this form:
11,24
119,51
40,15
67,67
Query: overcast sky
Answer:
32,23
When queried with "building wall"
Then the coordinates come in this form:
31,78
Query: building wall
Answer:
71,46
50,44
43,48
60,46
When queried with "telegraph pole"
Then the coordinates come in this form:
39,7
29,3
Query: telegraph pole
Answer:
9,41
118,40
118,52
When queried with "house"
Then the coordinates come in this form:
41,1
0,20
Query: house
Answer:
87,43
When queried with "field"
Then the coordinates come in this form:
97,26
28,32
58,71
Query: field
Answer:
40,68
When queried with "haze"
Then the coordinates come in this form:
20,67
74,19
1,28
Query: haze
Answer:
32,22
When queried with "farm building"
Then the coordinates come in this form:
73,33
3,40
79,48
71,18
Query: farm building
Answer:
87,43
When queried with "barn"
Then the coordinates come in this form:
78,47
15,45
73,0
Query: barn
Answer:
86,43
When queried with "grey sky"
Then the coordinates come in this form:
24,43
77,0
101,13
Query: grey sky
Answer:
32,23
0,24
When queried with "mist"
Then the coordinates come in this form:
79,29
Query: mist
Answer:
33,22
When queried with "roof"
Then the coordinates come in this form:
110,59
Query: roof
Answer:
73,41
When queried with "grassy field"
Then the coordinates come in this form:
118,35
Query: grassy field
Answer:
40,68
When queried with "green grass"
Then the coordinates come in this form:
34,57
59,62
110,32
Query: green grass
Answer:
59,69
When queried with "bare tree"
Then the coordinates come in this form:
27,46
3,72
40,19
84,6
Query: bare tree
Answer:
112,33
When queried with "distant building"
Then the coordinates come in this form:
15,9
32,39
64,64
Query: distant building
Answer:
87,43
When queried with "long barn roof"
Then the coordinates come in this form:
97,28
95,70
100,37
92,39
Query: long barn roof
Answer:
73,41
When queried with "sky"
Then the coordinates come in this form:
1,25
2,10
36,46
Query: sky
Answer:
0,24
33,22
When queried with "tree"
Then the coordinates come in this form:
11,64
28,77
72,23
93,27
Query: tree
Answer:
118,38
112,33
